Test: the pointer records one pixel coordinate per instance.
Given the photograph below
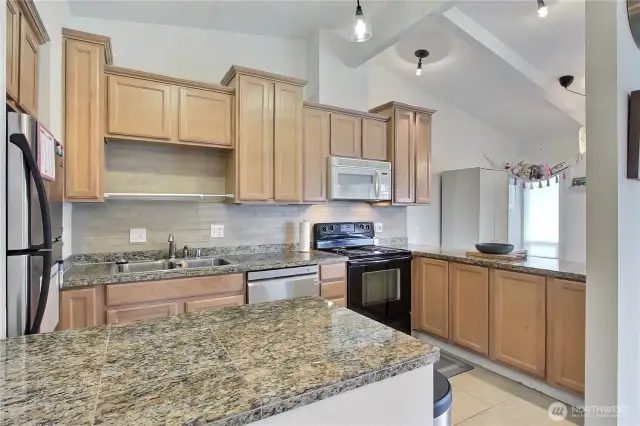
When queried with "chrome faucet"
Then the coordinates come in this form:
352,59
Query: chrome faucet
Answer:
172,248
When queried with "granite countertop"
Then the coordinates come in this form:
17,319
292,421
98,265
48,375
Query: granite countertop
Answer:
88,274
230,366
573,271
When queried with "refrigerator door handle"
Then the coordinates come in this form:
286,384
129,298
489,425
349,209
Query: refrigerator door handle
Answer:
20,141
44,292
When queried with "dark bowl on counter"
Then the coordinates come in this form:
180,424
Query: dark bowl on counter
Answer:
494,248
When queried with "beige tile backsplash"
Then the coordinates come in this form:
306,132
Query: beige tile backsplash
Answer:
166,168
105,227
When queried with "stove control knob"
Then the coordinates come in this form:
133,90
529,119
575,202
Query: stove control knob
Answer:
324,228
331,228
361,226
368,227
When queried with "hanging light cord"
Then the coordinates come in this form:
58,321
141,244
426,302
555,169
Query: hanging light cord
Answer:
573,91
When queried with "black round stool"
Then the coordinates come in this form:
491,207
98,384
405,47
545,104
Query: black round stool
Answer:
442,398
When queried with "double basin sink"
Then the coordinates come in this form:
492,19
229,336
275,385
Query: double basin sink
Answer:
163,265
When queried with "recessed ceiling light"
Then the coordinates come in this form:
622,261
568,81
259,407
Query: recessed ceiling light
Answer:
420,54
361,28
542,9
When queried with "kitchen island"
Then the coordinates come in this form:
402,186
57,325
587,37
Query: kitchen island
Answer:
230,366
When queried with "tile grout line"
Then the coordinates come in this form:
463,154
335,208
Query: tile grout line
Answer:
104,362
486,409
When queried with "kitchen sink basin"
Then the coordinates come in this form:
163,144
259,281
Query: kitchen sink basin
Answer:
163,265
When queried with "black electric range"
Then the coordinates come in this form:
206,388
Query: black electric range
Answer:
378,278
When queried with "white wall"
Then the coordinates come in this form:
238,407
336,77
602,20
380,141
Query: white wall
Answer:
613,208
196,54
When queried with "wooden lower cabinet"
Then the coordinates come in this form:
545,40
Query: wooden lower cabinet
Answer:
341,301
138,313
518,323
333,283
566,303
213,303
469,306
81,308
430,300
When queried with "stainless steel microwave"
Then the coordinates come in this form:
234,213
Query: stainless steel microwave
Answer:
356,179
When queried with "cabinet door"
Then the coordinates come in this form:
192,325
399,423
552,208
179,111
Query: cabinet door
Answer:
204,117
83,108
140,313
566,333
423,157
346,135
374,139
28,84
255,139
432,296
518,321
12,56
81,308
287,147
315,151
469,293
139,108
404,157
214,303
340,301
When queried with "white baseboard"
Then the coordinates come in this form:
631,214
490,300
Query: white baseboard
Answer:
516,376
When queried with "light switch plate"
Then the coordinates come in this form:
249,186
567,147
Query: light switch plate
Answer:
217,231
379,227
138,235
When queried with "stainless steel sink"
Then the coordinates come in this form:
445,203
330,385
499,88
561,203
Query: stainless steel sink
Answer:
201,263
163,265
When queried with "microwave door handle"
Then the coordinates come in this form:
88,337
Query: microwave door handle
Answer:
377,181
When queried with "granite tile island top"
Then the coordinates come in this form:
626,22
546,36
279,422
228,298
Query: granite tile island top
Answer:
88,274
231,366
573,271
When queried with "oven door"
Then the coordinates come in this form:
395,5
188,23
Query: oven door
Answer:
381,290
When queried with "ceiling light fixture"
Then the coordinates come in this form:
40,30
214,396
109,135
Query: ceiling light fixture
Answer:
420,54
542,9
566,81
361,28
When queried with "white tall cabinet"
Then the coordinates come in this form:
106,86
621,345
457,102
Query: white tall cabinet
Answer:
480,205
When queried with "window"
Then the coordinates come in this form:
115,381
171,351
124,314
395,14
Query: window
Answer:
541,221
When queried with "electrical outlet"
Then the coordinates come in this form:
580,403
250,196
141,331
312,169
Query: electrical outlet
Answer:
379,227
138,235
217,231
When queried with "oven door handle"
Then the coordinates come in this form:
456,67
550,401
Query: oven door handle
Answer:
375,262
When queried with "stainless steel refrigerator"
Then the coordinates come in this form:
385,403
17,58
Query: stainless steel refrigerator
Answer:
33,228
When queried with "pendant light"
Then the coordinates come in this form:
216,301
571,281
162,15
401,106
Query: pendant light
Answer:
420,54
361,28
542,9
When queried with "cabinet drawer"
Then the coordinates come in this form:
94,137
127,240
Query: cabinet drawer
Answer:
337,271
340,301
333,289
120,294
139,313
214,303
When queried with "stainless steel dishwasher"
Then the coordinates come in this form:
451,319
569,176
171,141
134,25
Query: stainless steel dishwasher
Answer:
287,283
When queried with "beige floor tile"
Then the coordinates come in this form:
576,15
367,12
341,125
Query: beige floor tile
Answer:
465,406
486,386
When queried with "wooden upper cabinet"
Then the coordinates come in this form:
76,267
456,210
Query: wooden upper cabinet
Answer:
518,321
315,151
423,157
404,153
84,102
255,138
81,308
139,108
374,139
12,49
430,307
346,135
287,151
205,117
28,84
469,306
566,303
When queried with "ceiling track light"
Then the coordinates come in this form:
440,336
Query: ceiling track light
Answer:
361,28
542,9
566,81
420,54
